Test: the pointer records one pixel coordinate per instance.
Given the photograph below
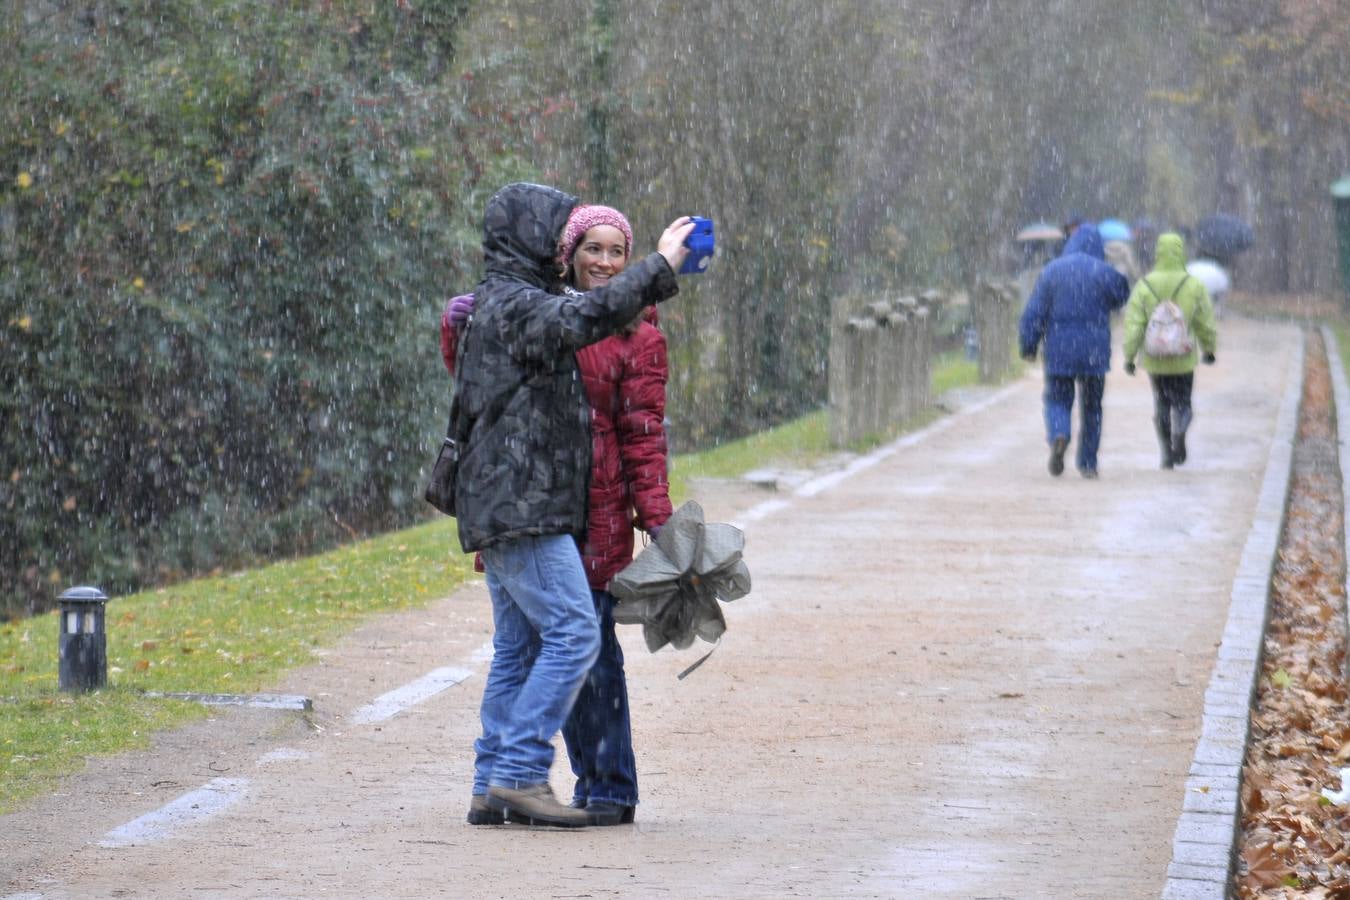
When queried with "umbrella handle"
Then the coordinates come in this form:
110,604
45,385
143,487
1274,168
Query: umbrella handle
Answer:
701,660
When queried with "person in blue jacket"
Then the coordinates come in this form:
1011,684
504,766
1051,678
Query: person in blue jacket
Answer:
1070,311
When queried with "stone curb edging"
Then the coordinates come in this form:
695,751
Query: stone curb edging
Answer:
1340,390
1206,834
295,702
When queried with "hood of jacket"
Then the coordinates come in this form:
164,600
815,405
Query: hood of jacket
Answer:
1170,255
521,228
1086,239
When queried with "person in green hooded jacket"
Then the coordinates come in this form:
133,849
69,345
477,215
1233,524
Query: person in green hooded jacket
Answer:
1172,377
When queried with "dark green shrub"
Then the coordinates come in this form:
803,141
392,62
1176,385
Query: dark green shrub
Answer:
227,231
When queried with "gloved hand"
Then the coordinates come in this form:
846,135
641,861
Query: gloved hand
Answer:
1129,367
460,309
1029,356
1208,359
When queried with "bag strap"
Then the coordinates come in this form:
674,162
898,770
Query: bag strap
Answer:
451,433
1150,289
465,427
1176,290
1172,299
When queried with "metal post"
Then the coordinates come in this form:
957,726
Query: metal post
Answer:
1340,197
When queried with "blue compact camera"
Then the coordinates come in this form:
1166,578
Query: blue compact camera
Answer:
701,246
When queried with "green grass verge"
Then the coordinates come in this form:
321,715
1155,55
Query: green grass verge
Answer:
1341,329
796,443
229,633
804,441
953,371
238,633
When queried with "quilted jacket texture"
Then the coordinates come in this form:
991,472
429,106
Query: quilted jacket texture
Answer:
625,377
525,467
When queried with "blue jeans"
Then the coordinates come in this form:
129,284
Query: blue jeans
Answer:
546,639
599,733
1059,391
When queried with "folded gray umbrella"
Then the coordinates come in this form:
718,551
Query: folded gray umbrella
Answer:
671,589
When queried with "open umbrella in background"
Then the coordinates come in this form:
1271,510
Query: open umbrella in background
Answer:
673,587
1039,241
1114,230
1222,236
1215,279
1211,275
1040,231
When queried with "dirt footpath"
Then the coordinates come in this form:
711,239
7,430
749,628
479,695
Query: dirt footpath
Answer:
955,677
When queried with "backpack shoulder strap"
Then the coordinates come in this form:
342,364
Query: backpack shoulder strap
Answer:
1157,301
1177,289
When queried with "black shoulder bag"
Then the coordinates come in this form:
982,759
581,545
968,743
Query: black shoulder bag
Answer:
440,491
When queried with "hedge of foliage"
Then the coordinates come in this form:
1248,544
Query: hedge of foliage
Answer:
226,230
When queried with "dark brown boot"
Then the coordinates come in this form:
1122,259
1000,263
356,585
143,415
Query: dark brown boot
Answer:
609,813
482,814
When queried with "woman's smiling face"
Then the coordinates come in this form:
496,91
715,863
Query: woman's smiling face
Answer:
600,255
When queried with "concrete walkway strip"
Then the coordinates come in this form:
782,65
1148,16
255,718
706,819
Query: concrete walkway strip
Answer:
863,463
210,799
386,706
297,702
1206,833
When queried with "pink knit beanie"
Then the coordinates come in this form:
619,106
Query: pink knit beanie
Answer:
583,219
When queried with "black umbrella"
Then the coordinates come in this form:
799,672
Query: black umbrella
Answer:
1222,236
673,587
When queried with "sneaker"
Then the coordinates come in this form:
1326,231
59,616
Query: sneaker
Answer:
610,813
1056,465
535,805
480,813
1088,473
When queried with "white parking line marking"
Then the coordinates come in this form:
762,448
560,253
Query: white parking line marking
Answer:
283,754
386,706
210,799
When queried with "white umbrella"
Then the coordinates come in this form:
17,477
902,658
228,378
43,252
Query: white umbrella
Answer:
1211,275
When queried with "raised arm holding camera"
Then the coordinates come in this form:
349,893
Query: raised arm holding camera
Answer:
521,492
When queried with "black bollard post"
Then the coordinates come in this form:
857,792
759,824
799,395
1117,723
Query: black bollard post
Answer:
1340,193
83,644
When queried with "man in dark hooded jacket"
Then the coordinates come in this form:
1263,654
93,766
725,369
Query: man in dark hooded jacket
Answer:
520,495
1070,310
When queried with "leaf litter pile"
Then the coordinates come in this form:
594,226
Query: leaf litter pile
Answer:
1295,842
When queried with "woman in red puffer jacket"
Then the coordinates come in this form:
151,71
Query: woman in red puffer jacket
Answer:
625,377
